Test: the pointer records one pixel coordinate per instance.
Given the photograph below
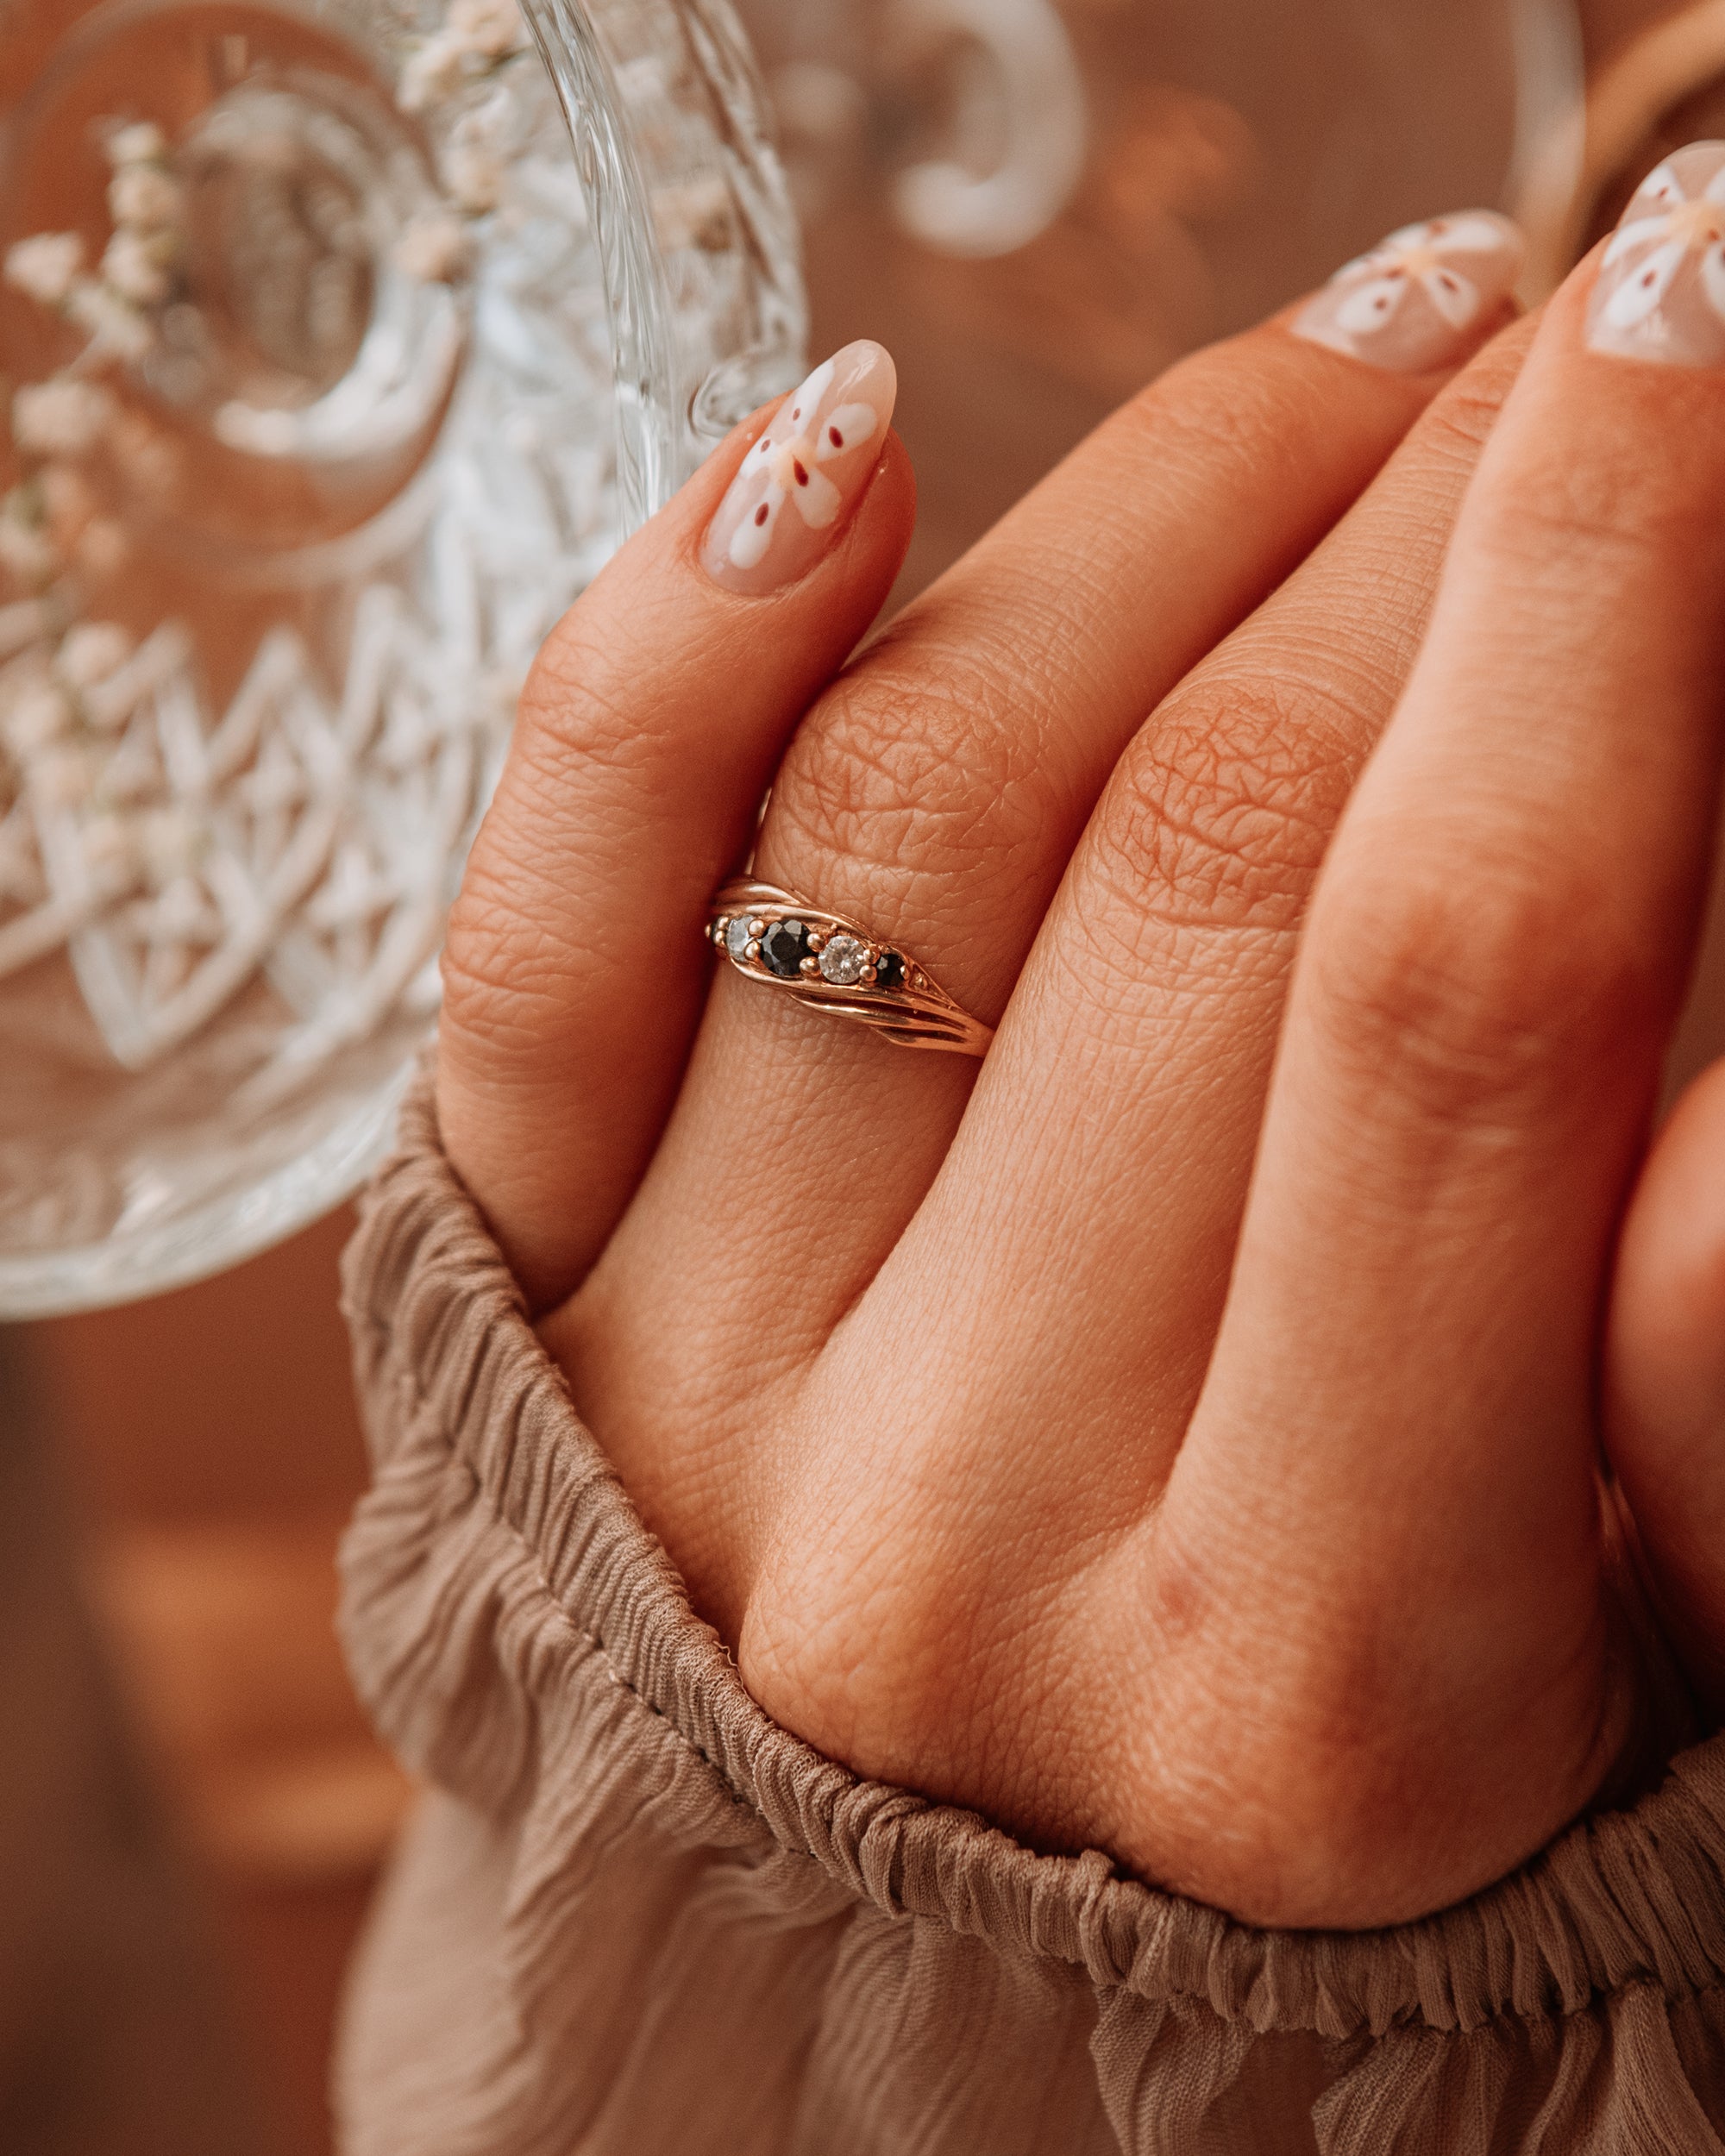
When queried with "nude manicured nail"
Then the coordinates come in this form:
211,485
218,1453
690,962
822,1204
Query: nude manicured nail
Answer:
1416,303
799,484
1661,288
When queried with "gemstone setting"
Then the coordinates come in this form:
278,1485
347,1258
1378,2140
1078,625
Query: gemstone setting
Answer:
889,970
843,961
736,938
783,948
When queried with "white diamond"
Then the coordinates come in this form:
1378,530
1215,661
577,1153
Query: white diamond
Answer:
842,961
736,938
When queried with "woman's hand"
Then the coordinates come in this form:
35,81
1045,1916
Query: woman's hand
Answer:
1182,1435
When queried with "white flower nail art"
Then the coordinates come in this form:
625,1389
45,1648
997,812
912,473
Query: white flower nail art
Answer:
1413,303
1661,289
806,462
795,466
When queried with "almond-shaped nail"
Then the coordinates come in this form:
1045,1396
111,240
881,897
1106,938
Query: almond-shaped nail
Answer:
1417,302
1661,289
797,487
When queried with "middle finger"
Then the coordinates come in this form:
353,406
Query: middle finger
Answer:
1126,1089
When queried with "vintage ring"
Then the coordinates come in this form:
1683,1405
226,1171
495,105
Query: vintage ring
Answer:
835,966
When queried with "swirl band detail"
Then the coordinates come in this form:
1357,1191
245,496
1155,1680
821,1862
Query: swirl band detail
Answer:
829,963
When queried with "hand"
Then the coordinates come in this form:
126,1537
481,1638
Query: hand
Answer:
1181,1435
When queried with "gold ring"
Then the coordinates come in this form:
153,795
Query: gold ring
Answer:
833,965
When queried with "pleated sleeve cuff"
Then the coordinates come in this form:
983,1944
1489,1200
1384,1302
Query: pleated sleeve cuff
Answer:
636,1916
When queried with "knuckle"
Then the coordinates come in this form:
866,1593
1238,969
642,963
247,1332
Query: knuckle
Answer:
1276,1716
1486,993
1322,1744
1218,815
888,779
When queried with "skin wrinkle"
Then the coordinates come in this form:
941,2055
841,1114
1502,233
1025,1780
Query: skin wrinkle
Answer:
1521,989
1218,846
872,795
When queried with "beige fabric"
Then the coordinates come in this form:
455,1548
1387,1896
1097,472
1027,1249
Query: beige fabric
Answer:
636,1919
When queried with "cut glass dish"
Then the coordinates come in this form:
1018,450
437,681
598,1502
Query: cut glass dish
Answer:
340,341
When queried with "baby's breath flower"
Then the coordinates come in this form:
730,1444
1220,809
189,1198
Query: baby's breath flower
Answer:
490,27
145,196
45,267
474,176
114,325
435,73
36,716
136,265
90,652
60,417
433,249
142,143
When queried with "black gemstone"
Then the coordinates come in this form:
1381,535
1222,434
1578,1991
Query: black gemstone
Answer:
889,970
784,947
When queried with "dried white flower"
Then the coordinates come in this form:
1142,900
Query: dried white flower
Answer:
60,417
142,143
490,27
146,197
45,267
435,73
90,652
34,716
697,213
474,177
114,325
136,265
434,250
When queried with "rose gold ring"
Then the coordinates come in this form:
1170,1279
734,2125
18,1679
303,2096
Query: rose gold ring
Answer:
835,966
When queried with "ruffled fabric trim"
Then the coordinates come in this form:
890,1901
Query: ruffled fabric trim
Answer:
526,1645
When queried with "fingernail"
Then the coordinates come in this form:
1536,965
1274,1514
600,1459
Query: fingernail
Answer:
1416,303
1661,288
799,484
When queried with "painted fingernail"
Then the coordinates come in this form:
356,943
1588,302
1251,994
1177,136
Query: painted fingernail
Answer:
799,484
1661,288
1417,302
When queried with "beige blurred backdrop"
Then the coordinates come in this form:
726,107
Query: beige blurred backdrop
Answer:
191,1812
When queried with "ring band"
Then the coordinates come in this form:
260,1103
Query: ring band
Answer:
833,965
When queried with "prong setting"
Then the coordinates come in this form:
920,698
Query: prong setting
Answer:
816,954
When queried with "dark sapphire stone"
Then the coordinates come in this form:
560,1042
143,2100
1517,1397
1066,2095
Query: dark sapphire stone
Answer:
784,947
889,970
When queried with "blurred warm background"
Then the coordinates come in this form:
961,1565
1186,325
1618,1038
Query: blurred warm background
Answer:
193,1812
